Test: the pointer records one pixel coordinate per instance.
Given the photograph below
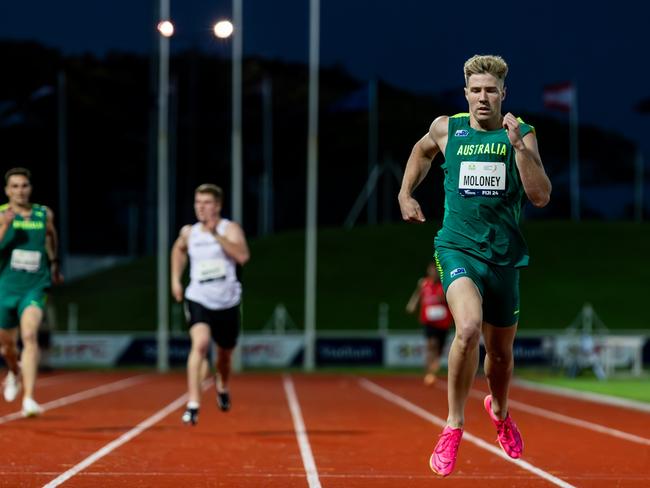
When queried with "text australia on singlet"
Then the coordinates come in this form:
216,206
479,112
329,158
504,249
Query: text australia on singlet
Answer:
482,178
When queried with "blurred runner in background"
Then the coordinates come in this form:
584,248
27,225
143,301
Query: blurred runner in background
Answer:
434,316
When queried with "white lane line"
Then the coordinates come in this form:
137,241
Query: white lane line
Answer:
82,395
558,417
124,438
301,434
584,395
420,412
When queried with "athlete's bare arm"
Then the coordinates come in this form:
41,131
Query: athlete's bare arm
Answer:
179,262
6,218
418,165
52,248
412,304
233,242
529,163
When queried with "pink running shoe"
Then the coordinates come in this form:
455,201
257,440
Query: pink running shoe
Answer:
507,432
443,457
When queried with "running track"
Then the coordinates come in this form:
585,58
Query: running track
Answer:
124,429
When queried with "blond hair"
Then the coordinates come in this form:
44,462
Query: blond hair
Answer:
213,190
18,171
486,64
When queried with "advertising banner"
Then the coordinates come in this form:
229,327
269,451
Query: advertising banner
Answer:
272,350
349,351
88,350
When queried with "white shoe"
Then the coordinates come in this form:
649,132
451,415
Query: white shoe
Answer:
12,387
31,408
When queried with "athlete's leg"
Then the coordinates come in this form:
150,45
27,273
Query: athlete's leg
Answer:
9,349
465,302
498,364
200,336
205,368
433,361
224,360
433,355
29,321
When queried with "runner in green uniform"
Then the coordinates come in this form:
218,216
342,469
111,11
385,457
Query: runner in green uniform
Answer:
28,267
492,166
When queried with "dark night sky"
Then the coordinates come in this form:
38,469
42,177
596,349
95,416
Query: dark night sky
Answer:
415,44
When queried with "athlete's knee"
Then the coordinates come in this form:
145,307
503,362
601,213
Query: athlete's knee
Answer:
500,356
29,338
224,354
200,347
468,335
5,340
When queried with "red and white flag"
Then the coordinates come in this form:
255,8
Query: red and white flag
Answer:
560,96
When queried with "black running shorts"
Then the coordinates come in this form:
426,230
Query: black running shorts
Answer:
224,324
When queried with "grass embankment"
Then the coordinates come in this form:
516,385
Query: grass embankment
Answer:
624,387
603,263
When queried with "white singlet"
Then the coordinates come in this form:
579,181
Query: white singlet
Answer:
213,277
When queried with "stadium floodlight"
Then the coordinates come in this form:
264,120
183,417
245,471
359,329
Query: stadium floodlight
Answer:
166,28
223,29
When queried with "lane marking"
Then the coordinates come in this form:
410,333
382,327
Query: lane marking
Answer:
420,412
558,417
301,434
82,395
584,395
123,439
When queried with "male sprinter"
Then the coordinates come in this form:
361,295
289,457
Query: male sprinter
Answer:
492,165
28,266
215,246
434,316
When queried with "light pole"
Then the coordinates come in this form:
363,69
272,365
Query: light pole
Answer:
223,29
236,138
166,30
311,225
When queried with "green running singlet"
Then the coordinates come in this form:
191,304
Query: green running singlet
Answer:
24,263
483,195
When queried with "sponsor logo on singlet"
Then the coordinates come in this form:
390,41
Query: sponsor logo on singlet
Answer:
461,133
457,271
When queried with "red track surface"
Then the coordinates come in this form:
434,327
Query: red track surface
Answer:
356,437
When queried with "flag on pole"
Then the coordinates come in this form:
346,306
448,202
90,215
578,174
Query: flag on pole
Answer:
564,97
560,96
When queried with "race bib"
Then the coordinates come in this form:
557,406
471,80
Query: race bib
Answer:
435,313
482,179
23,260
211,269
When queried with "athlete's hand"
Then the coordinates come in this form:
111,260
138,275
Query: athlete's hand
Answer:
177,291
55,272
8,216
411,211
511,125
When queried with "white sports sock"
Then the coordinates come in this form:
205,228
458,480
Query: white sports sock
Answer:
193,405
